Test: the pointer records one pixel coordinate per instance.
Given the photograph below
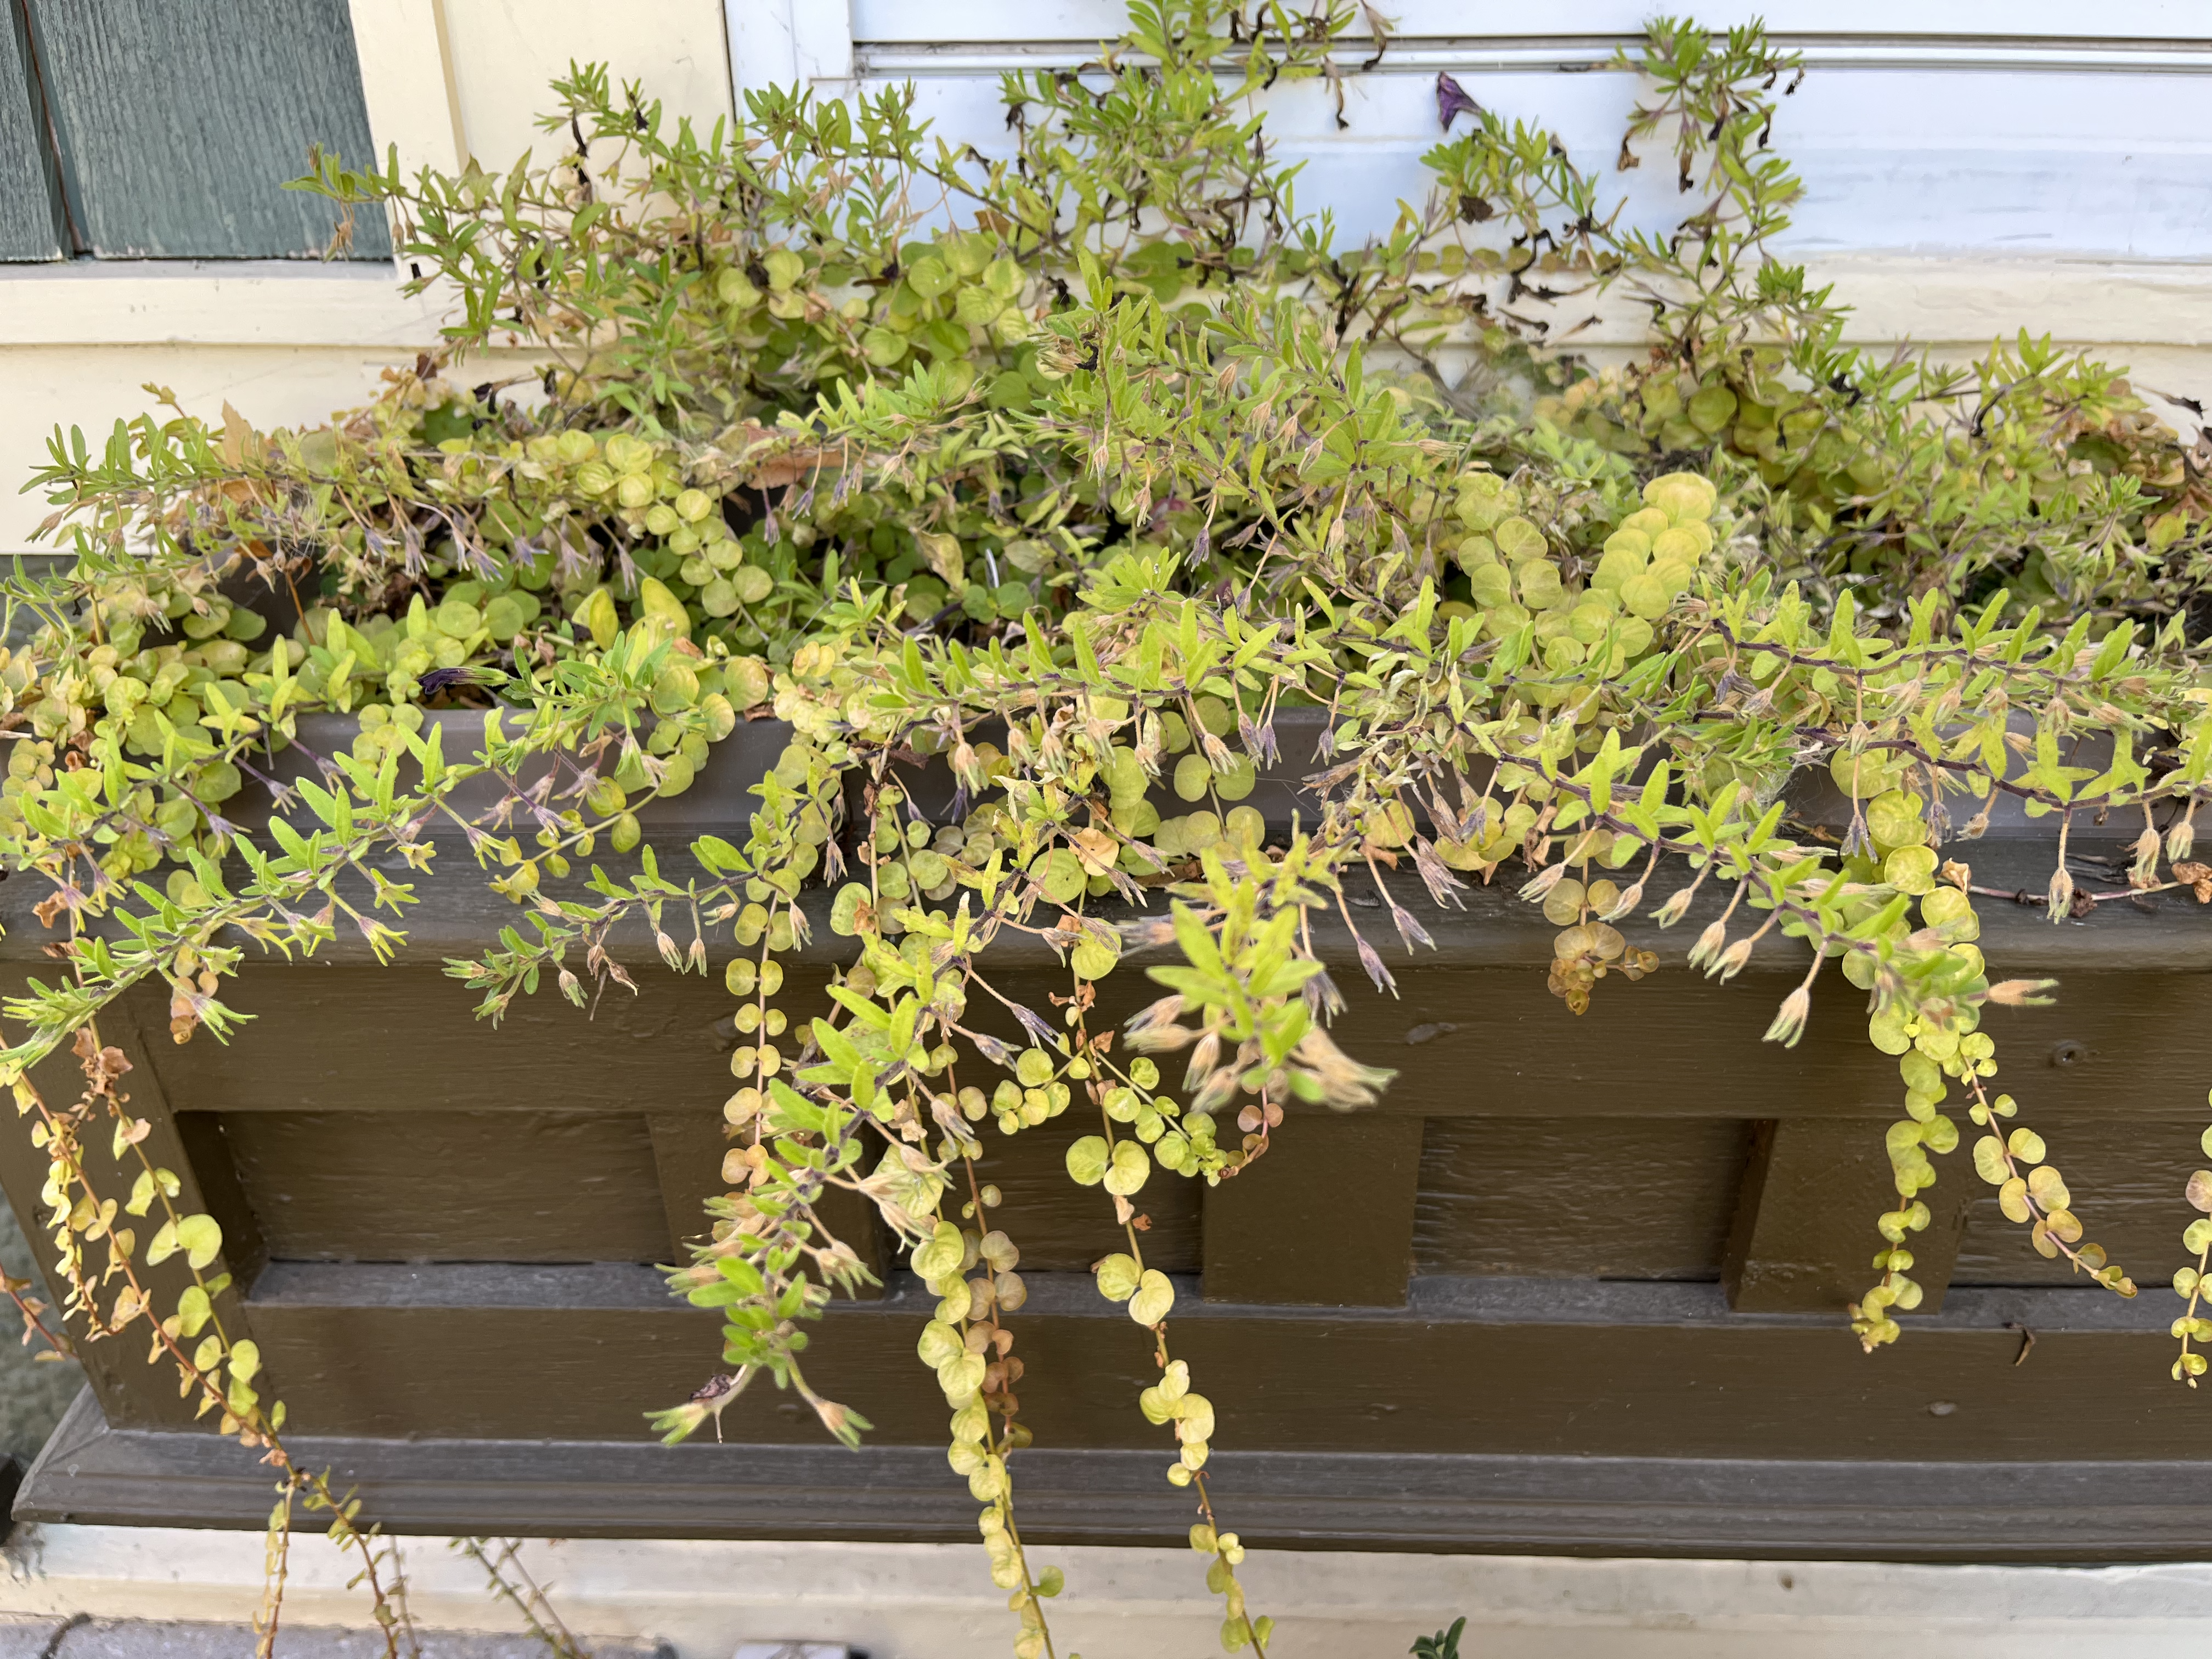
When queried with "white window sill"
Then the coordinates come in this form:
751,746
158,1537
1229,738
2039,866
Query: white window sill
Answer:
247,303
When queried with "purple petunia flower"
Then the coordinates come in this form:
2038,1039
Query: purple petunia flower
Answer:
1452,100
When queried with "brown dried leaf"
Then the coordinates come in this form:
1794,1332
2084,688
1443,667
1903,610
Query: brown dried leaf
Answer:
2198,1191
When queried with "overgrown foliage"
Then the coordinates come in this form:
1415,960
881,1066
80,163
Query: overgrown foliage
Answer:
1066,478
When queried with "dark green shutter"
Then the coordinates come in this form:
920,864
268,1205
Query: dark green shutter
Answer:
31,226
179,121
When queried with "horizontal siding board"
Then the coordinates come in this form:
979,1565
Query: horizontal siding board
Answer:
1926,129
2031,20
180,120
2115,165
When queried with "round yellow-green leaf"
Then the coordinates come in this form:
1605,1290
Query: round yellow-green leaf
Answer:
1910,869
1683,496
845,909
938,1343
1087,1161
1490,585
1129,1172
457,618
1154,1299
883,347
929,277
1619,564
508,614
1710,410
1518,540
1864,776
1894,818
1644,595
1688,543
733,289
1947,906
1117,1275
1061,873
1192,775
1538,584
200,1238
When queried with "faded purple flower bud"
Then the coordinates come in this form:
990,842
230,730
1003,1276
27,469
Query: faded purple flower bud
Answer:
1452,101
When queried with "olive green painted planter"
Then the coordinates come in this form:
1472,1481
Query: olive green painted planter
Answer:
1576,1285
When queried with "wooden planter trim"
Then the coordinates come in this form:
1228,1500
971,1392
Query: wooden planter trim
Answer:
1371,1405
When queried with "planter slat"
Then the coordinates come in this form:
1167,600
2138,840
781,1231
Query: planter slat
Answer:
1503,1401
1334,1224
1886,1511
1520,1365
1804,1233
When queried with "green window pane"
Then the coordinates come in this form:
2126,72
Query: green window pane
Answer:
179,121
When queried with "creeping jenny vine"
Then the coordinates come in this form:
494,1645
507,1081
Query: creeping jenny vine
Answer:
1039,496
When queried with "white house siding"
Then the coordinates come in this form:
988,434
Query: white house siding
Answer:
1969,168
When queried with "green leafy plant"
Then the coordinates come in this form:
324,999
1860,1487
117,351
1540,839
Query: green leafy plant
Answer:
1076,474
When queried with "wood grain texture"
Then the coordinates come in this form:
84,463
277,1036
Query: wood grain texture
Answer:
31,224
180,121
1799,1508
1326,1216
1803,1236
327,1038
1467,1042
1602,1198
1470,1365
340,1186
2126,1181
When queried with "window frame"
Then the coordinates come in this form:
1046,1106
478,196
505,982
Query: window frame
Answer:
273,302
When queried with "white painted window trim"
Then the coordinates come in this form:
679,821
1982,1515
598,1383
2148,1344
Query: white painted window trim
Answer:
903,60
783,42
413,104
1930,33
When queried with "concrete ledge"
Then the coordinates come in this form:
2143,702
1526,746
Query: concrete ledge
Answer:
936,1602
166,1638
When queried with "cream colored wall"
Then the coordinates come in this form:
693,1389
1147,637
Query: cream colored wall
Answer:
289,343
506,52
